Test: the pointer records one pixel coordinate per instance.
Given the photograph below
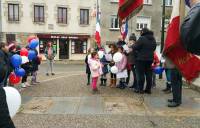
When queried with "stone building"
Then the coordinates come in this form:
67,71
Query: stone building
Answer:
68,24
150,17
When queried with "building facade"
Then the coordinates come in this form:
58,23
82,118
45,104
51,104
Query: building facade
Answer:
150,17
68,24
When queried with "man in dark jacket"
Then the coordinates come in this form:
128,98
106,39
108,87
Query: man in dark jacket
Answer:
145,47
190,28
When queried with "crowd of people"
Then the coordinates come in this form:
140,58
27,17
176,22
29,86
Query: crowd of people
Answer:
139,58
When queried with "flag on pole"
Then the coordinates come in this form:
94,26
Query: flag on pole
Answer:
187,63
98,28
124,29
128,8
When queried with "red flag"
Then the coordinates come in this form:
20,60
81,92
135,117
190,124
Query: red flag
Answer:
98,28
128,8
187,63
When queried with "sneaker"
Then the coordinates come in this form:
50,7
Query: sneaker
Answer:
27,84
23,85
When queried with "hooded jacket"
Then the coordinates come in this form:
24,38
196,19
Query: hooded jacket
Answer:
145,47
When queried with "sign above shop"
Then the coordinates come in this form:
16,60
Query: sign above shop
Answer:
59,36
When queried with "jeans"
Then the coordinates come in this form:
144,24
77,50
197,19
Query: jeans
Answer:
143,69
49,65
176,81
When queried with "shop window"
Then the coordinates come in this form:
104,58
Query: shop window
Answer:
13,12
38,13
114,22
79,47
10,38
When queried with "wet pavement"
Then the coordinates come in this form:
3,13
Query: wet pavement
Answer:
65,101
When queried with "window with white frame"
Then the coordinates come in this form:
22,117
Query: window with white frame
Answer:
114,22
143,22
168,2
149,2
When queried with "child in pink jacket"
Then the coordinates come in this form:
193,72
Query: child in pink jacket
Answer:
96,70
122,69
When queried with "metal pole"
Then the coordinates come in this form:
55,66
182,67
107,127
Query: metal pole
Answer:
162,32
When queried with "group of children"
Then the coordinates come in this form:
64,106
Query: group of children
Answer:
30,67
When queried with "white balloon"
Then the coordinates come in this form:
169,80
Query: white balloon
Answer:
114,69
117,57
108,57
13,99
101,54
24,59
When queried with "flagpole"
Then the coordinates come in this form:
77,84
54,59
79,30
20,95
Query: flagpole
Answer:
182,11
162,32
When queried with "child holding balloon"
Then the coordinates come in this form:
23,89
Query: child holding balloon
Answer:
122,69
96,70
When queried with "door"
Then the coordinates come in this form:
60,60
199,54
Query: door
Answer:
63,49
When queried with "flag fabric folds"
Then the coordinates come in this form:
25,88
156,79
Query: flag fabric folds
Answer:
124,29
187,63
128,8
98,28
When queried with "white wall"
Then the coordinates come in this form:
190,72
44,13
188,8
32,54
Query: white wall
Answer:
27,25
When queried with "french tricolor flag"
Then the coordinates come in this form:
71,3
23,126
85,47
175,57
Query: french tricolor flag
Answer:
98,28
187,63
124,29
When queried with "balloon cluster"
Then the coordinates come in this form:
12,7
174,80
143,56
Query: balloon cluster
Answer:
24,57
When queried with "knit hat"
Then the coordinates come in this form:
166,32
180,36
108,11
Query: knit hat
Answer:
132,37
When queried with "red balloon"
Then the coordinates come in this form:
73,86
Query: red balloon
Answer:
13,79
23,52
31,38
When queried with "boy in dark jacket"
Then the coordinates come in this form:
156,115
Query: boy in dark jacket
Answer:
105,63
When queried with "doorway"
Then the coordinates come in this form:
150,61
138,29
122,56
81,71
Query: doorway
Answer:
63,48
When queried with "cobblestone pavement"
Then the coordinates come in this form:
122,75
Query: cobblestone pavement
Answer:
65,101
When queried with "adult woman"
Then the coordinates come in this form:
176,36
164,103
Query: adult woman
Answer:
49,54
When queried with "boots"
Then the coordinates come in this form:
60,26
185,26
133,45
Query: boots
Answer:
111,82
102,82
114,83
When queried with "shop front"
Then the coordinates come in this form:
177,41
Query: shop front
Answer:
72,47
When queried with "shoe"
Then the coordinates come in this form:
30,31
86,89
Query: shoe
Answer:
168,91
88,83
32,83
52,74
27,84
173,104
47,74
164,90
23,85
139,92
131,86
147,91
170,100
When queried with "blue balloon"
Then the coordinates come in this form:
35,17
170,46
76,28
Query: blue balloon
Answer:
20,72
158,70
34,43
16,60
31,54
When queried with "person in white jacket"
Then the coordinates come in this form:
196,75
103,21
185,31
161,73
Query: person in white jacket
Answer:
96,70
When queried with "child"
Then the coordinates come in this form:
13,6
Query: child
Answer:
104,63
88,72
26,67
96,70
35,65
122,69
113,77
156,62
